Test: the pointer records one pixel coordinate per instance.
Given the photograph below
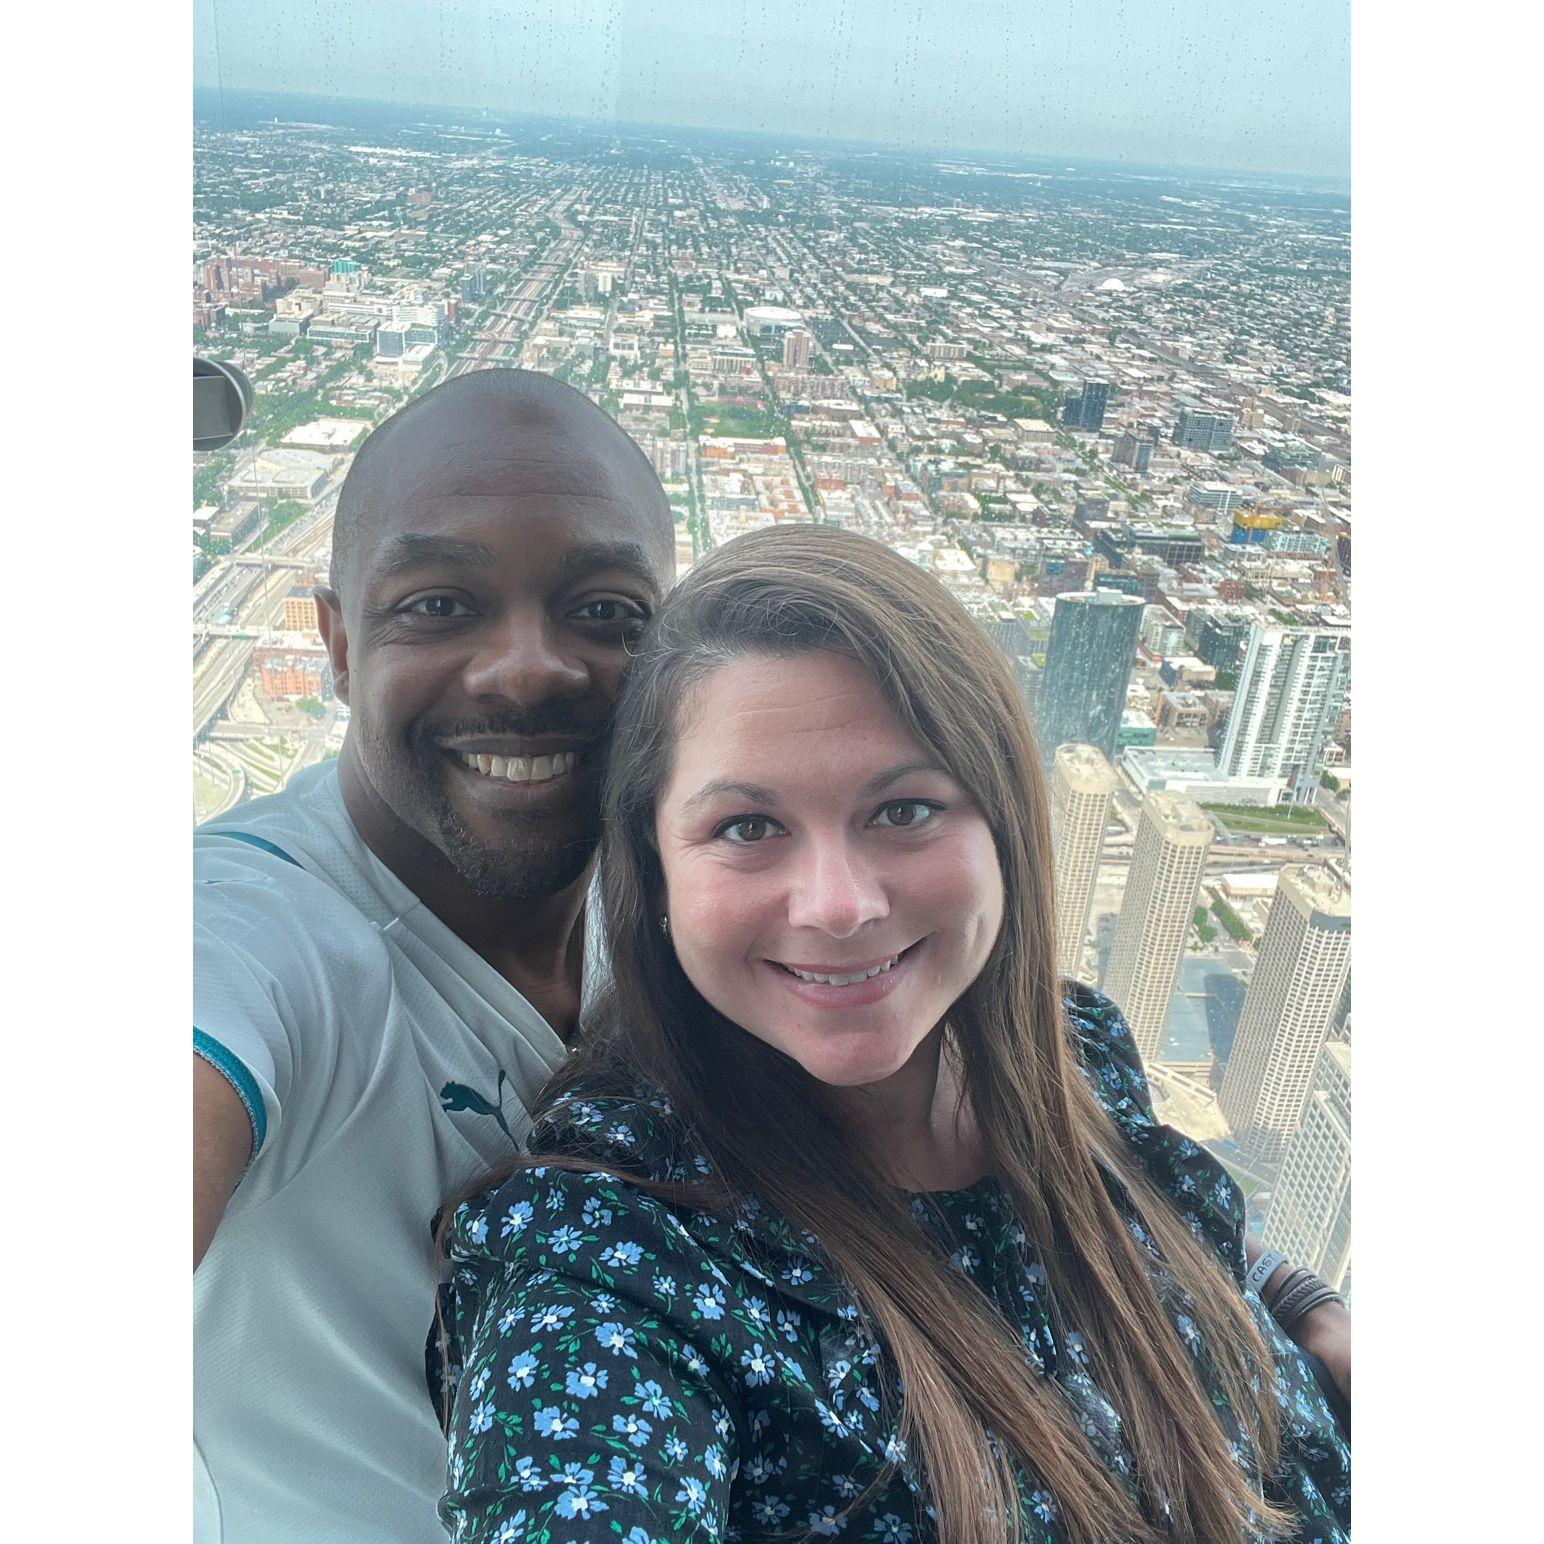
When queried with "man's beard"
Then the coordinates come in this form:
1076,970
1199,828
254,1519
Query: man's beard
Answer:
528,869
534,863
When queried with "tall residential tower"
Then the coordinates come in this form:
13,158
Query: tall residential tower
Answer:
1291,688
1081,784
1309,1219
1167,860
1299,975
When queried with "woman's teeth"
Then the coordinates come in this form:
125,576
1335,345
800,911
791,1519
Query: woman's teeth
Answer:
850,980
521,769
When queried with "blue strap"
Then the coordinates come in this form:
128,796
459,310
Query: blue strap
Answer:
235,1072
230,1066
259,842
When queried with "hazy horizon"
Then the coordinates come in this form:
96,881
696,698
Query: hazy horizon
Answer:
1198,85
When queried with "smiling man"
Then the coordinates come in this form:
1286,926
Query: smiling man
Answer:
389,952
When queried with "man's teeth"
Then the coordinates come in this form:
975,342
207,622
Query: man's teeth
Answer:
862,975
521,769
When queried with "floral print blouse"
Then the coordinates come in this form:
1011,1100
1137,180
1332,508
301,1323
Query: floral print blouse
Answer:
630,1371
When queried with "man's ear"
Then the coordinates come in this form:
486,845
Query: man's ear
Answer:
329,619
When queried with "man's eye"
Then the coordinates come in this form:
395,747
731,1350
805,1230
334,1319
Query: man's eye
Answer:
611,610
747,830
905,814
437,606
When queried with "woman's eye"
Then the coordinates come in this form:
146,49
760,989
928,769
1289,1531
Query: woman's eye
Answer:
438,606
905,814
747,830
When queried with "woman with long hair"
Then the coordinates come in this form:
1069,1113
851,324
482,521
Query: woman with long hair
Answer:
845,1215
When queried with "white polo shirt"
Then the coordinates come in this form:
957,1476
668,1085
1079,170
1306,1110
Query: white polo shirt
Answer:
385,1065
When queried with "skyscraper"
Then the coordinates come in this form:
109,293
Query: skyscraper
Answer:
1081,784
1086,409
1291,688
1204,431
796,351
1134,450
1095,395
1087,670
1309,1219
1298,978
1173,839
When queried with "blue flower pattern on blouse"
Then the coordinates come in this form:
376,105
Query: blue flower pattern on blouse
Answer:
627,1370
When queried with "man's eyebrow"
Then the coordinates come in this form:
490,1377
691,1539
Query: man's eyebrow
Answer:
628,557
412,550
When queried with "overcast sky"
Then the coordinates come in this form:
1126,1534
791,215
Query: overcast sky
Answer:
1257,85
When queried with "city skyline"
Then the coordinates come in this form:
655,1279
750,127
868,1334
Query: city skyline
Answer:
1140,82
889,343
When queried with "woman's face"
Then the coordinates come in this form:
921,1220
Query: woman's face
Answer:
830,888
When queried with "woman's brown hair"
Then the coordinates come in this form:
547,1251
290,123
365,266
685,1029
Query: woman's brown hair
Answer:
756,1115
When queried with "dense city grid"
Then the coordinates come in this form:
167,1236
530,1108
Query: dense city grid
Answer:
1034,380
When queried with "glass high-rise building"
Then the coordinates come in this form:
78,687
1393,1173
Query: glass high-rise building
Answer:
1291,688
1086,410
1087,670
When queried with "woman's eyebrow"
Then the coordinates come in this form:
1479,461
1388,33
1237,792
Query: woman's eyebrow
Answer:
895,774
753,793
750,792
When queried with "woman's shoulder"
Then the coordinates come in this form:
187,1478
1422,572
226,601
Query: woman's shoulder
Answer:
599,1157
615,1197
1108,1056
631,1128
1200,1187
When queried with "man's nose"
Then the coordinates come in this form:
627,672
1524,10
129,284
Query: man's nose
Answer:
525,660
836,889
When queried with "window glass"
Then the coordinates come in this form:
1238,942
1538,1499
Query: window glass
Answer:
1053,300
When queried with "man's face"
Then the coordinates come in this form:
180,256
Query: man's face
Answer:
485,625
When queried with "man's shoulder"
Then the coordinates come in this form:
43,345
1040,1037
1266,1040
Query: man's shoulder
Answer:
306,813
299,841
286,876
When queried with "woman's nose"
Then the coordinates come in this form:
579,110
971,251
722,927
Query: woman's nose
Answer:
836,891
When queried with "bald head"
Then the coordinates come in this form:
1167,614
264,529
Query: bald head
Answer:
480,436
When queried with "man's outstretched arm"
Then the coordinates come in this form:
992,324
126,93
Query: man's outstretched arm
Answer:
1324,1332
222,1144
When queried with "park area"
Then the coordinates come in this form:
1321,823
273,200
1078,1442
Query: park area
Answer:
1269,820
